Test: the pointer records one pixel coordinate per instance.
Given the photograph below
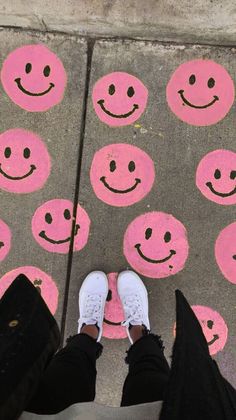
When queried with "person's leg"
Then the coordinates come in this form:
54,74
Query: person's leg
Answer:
148,369
70,377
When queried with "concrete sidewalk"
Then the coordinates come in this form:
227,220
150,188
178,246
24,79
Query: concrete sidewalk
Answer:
207,22
75,129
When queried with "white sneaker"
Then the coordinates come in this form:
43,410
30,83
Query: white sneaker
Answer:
134,298
92,299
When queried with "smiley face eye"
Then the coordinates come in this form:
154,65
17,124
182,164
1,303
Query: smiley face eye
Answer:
46,71
7,152
67,214
28,68
48,218
210,324
111,89
167,237
211,83
192,79
26,153
234,257
232,174
112,165
148,233
130,92
109,295
131,166
217,174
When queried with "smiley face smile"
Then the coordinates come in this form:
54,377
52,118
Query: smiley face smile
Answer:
101,103
181,93
150,260
210,186
110,322
18,178
27,92
216,337
103,179
43,235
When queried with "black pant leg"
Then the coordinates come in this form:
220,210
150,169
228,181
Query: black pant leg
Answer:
69,378
148,372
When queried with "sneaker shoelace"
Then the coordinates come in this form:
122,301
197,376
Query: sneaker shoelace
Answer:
133,310
92,309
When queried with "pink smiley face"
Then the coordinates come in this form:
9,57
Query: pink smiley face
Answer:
5,240
119,98
24,161
52,224
156,245
225,252
213,326
121,174
34,78
114,313
216,176
200,92
42,281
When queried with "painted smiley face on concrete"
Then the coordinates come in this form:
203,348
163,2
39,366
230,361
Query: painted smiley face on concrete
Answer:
119,98
156,245
216,176
213,326
44,283
225,252
121,174
24,161
114,313
52,223
200,92
5,240
34,78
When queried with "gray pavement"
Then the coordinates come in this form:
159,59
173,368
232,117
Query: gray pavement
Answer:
199,21
59,128
175,148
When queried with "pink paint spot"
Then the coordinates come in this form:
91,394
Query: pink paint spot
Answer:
114,313
42,281
119,98
121,174
24,161
5,240
213,326
34,78
156,245
216,176
225,252
52,223
200,92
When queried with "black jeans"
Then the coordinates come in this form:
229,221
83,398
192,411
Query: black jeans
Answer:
70,377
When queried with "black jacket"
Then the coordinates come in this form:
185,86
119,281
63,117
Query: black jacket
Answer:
29,336
196,389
